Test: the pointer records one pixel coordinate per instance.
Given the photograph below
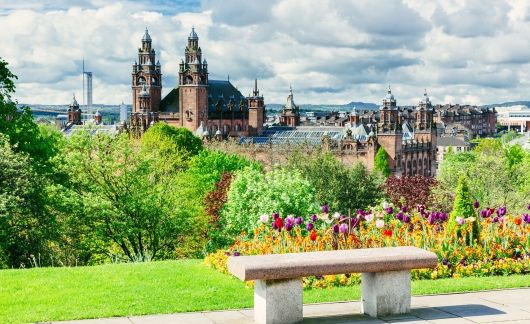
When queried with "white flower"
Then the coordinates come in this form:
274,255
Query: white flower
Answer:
460,220
385,205
369,217
470,219
264,218
336,215
379,223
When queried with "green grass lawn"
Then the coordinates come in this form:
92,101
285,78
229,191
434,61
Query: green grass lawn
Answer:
46,294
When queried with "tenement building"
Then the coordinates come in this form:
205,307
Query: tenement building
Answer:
204,106
473,121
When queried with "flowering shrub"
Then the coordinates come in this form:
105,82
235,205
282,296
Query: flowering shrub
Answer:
253,193
502,246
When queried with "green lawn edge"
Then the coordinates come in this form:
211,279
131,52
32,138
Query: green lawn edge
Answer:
53,294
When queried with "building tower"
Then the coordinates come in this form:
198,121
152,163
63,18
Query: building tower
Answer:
74,113
256,112
193,85
390,134
425,132
146,72
291,113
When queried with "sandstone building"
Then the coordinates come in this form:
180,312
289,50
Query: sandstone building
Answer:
204,106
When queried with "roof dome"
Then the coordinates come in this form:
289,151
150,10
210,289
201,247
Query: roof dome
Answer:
147,37
193,34
218,132
74,102
389,95
425,99
98,114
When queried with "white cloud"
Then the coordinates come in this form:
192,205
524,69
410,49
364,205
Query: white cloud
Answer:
331,51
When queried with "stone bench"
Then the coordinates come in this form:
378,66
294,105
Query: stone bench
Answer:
385,279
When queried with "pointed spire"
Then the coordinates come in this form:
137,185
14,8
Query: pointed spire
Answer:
193,34
74,101
147,37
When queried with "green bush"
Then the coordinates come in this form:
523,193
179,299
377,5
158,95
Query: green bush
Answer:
381,162
253,193
343,188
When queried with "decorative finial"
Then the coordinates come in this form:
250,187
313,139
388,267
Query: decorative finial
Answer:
389,90
425,93
290,89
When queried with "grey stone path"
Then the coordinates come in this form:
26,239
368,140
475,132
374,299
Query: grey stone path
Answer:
499,306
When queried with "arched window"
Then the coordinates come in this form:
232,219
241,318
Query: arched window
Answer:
141,80
238,128
188,80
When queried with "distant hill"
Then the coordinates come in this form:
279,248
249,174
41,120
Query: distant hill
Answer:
509,104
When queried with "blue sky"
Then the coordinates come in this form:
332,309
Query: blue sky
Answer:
331,51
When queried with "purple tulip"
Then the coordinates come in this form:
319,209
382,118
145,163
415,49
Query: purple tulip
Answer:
445,261
389,210
443,217
421,208
289,226
336,228
289,220
298,220
236,253
495,219
485,213
399,216
355,221
309,226
404,209
501,211
528,206
314,218
274,226
406,219
343,228
526,218
325,209
432,219
275,216
476,204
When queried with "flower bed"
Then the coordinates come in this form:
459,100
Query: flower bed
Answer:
501,246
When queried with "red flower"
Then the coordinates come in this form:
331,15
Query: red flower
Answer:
313,235
279,222
387,232
518,221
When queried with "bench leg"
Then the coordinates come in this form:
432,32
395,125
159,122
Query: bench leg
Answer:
385,293
278,301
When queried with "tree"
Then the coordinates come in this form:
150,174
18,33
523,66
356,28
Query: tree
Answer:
126,200
463,208
342,188
194,186
381,162
173,146
23,133
25,226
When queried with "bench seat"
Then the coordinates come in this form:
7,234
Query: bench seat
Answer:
295,265
385,279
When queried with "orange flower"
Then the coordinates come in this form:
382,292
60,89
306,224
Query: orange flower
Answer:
387,232
518,221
